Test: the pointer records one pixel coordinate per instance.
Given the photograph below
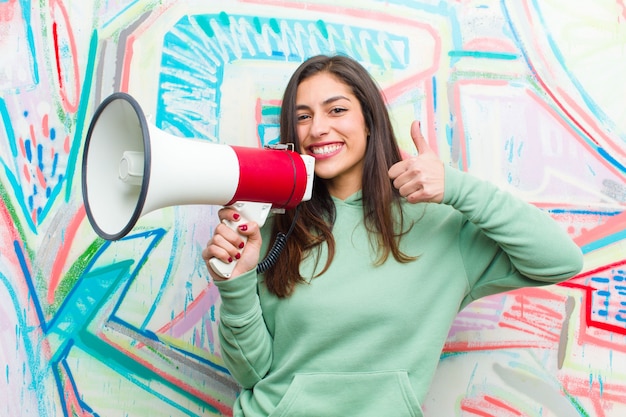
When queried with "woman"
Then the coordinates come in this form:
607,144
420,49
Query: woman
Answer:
352,318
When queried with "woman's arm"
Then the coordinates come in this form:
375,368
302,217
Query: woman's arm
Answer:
246,344
537,246
506,243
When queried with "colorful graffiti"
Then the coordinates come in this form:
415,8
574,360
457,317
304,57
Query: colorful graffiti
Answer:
528,94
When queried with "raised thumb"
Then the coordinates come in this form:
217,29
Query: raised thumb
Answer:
418,139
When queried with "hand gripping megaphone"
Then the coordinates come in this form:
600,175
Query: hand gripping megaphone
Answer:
131,168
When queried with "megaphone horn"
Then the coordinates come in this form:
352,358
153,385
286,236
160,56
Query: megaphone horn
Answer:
131,168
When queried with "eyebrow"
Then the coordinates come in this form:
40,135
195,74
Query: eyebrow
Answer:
325,102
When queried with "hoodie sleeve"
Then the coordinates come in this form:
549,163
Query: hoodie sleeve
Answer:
506,242
246,344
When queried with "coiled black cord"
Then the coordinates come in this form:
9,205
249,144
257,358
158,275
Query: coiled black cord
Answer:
278,246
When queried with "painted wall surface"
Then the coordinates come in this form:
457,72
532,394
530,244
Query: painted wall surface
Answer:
529,94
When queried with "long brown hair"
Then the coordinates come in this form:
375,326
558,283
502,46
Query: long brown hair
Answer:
381,201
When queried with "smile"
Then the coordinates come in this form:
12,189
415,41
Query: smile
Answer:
326,149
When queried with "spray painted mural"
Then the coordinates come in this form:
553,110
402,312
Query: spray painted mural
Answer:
528,94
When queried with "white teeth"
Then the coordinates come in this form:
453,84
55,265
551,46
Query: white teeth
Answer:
325,149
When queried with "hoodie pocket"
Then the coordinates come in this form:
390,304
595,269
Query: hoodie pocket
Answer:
364,394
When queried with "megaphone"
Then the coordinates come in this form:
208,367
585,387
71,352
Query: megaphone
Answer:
131,168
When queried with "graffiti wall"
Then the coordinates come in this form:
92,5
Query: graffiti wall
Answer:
528,94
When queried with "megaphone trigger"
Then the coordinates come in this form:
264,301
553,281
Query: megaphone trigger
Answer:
248,211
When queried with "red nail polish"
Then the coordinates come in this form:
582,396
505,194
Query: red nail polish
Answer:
238,256
241,245
236,216
243,227
230,260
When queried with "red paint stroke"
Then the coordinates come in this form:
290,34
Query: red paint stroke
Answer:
26,173
399,88
612,226
70,106
258,116
431,131
621,4
605,335
475,411
527,316
603,396
581,114
128,57
68,239
185,320
22,146
70,396
479,346
130,41
55,37
45,128
7,10
372,14
502,405
9,231
193,314
33,137
198,393
480,407
491,45
41,178
530,317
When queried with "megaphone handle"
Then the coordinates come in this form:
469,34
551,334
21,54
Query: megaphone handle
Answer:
248,211
223,269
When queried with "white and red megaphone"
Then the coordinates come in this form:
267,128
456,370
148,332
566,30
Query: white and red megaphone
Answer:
131,168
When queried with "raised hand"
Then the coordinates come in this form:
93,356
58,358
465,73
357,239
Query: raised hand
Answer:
419,178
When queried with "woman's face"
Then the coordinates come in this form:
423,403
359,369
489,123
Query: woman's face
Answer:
331,128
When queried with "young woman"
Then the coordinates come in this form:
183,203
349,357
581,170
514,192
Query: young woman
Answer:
352,318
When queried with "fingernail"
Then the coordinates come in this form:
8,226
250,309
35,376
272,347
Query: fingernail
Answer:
238,256
241,245
243,227
236,216
230,260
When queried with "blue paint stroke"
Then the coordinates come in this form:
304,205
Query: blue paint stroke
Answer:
483,54
197,49
35,367
80,117
80,308
8,127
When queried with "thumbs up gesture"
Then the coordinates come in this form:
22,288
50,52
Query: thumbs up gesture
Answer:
419,178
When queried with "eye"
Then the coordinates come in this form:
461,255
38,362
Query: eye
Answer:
338,110
302,117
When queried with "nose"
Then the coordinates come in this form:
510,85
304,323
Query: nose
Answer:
319,126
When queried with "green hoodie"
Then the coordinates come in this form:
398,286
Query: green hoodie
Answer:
364,340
